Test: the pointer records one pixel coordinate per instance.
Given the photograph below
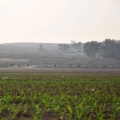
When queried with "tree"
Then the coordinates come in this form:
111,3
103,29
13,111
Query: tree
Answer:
41,47
64,47
76,46
91,48
109,48
118,50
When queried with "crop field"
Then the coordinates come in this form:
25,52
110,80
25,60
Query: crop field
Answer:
59,96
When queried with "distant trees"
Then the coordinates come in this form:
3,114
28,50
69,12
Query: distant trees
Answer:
63,47
91,48
76,46
118,50
70,47
109,48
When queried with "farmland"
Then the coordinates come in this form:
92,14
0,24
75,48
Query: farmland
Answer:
59,96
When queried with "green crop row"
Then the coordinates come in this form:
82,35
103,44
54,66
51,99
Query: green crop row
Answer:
59,96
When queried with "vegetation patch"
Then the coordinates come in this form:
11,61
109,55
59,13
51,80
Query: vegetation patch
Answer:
59,96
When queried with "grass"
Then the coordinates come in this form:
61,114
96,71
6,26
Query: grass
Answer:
59,96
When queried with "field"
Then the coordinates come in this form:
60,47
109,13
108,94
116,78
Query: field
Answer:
60,96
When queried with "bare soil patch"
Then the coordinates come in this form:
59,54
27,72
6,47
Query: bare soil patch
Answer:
59,70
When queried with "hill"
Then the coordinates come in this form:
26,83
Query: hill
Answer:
29,53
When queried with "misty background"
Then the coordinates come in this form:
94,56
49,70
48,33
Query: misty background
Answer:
94,54
60,33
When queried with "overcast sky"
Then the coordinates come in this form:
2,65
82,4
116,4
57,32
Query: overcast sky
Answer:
59,20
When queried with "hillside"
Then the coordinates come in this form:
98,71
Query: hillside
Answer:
29,53
15,48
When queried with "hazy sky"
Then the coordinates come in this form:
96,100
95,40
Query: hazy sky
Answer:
59,20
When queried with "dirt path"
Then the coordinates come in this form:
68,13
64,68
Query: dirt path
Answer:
58,70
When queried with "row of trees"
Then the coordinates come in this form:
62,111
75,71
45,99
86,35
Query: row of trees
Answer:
68,47
109,48
64,47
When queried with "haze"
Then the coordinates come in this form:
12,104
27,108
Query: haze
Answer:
59,21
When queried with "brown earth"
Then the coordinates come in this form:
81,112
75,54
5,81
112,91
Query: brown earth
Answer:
58,70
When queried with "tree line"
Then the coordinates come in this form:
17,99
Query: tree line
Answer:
70,47
109,48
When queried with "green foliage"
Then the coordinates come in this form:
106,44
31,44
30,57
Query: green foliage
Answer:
55,96
91,48
109,48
